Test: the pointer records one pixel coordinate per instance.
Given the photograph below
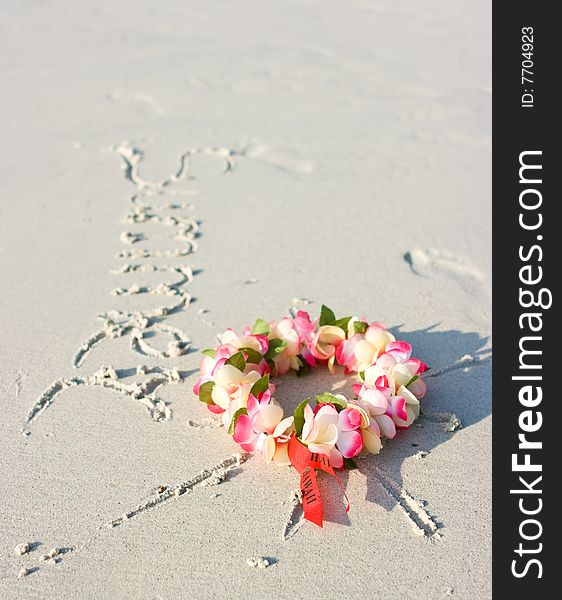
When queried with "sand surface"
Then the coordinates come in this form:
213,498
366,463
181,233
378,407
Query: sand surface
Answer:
206,164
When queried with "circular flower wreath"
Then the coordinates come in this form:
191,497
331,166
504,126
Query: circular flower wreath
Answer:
235,383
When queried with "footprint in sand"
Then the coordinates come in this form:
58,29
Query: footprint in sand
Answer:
439,263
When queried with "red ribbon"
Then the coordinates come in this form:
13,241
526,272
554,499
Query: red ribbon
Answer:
306,463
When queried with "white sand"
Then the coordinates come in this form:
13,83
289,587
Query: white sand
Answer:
339,153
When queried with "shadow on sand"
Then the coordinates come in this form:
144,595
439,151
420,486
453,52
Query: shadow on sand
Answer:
459,384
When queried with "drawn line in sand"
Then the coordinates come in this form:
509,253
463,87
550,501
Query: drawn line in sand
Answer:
205,423
138,325
211,476
185,230
131,158
107,377
422,522
296,517
449,421
465,363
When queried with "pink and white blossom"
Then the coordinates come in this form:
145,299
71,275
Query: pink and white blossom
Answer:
209,365
323,343
351,421
232,389
264,429
345,353
372,345
320,432
286,332
377,403
246,340
400,370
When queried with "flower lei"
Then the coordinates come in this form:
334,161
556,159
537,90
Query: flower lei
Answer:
235,383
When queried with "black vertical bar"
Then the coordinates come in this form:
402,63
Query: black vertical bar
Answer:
526,126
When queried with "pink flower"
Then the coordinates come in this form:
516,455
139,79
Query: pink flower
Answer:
402,406
318,344
339,435
322,344
209,365
320,432
305,329
232,389
376,401
368,428
399,369
398,409
372,345
345,353
246,340
400,350
264,429
287,359
350,422
303,325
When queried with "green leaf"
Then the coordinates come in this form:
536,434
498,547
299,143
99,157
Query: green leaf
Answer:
362,375
209,352
327,316
260,327
254,357
270,364
342,323
412,380
349,463
240,411
326,397
260,386
304,369
205,392
299,417
237,360
360,326
276,346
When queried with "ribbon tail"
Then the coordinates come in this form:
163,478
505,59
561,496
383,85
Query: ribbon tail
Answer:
311,499
319,461
305,462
